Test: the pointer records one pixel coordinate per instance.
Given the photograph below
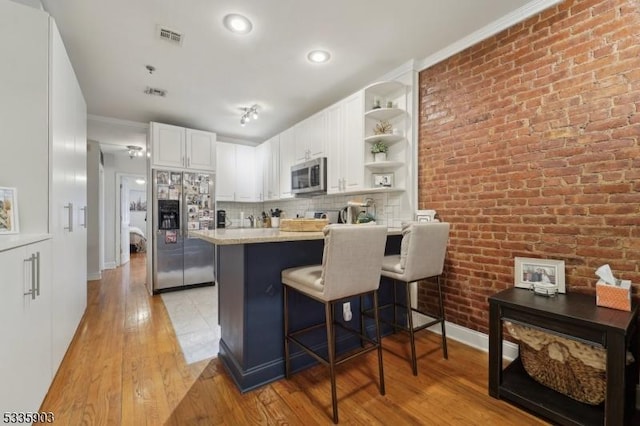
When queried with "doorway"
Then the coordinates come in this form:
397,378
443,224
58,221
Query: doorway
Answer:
131,229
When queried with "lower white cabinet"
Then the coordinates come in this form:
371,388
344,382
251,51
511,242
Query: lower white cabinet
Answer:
25,323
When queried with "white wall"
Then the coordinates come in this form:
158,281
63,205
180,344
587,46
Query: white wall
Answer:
116,164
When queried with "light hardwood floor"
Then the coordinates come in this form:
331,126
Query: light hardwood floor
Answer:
125,367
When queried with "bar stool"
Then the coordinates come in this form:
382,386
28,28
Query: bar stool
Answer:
422,253
351,265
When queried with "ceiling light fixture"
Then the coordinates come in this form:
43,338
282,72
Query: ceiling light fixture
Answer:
237,23
318,56
248,114
135,151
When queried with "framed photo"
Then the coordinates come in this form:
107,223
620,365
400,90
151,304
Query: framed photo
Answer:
533,273
382,180
137,201
8,211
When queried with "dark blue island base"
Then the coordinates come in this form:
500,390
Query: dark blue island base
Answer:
251,309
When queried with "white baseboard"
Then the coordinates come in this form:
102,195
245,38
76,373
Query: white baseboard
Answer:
475,339
110,265
92,276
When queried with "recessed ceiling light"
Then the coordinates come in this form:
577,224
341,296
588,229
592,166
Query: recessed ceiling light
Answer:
318,56
237,23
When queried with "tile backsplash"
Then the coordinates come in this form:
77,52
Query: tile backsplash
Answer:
387,207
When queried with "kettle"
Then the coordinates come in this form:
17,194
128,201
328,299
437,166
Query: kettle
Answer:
347,215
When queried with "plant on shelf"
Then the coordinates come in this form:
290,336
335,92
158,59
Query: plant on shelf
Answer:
379,150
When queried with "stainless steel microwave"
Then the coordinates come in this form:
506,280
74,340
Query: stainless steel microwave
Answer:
310,177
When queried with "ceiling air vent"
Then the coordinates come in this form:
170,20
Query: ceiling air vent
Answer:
152,91
169,35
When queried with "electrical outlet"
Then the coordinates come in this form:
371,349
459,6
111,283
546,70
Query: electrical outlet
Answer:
346,311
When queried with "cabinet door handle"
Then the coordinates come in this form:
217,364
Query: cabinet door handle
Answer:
37,259
32,292
84,217
69,217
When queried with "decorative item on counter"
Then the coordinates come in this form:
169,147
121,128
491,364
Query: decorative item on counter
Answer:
383,128
379,150
612,292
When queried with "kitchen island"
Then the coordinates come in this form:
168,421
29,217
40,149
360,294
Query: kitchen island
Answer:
249,264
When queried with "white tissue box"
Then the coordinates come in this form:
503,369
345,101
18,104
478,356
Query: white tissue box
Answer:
614,296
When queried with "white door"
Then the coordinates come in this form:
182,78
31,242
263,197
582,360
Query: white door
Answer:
125,220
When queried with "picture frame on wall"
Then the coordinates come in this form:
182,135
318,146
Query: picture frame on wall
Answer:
543,276
382,180
9,211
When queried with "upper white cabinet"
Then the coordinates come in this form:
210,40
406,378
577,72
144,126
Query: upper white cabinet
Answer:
268,155
344,134
25,322
309,137
178,147
287,159
246,174
236,177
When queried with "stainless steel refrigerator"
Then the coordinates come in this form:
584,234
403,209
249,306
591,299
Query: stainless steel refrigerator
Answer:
182,202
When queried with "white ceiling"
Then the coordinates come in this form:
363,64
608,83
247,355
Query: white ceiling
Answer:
215,73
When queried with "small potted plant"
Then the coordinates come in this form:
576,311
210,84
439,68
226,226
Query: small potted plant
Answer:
379,150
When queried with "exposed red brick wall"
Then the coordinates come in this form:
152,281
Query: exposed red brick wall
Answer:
528,146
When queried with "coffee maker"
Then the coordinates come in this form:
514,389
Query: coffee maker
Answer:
221,218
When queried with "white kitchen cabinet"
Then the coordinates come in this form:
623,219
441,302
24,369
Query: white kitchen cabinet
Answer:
246,174
309,137
262,163
25,321
182,148
270,156
344,134
236,179
286,159
226,175
43,108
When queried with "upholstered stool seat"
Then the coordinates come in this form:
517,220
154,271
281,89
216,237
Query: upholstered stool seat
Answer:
351,265
422,254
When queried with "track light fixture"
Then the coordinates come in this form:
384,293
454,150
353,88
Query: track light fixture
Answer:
135,151
248,114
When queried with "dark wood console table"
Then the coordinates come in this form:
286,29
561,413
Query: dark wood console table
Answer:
575,316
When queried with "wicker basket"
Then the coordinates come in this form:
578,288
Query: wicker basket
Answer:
572,368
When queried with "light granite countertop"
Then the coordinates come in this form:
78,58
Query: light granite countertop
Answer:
232,236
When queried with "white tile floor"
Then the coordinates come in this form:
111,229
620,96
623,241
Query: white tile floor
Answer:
194,315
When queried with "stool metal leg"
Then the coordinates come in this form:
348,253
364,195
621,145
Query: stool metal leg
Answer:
328,307
287,367
444,333
414,362
395,307
379,341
